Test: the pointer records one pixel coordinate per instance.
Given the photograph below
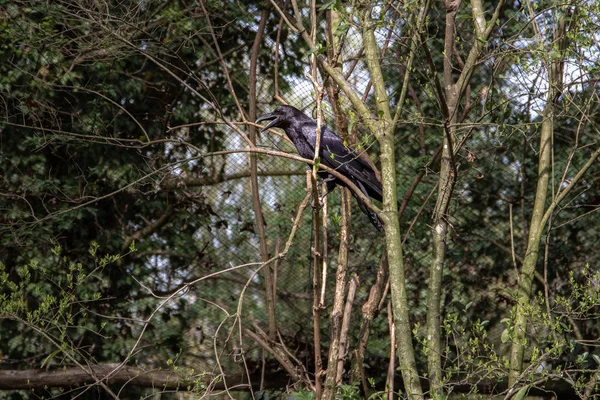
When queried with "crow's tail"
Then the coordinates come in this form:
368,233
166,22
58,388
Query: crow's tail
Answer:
373,217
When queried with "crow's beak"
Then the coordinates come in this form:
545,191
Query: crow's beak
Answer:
266,117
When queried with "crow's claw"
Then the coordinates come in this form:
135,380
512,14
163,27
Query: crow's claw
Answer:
320,204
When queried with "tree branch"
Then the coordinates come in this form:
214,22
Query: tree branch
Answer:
258,214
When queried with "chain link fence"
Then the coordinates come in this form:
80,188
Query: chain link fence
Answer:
478,255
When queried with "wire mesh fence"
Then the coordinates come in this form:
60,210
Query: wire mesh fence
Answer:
232,234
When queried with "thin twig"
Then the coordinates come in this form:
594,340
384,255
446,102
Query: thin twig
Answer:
347,316
512,238
258,214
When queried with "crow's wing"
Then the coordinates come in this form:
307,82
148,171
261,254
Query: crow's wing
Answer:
305,138
336,155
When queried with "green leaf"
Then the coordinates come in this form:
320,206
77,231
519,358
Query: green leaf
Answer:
505,336
317,163
318,50
341,29
50,357
351,123
522,393
327,6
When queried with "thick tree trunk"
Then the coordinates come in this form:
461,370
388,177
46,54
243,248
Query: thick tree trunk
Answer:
536,230
393,238
539,215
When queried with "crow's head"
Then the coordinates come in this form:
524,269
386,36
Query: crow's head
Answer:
282,117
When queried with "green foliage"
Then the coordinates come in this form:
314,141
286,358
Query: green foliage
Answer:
301,395
51,298
94,155
348,392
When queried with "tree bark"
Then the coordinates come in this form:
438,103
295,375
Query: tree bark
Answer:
74,377
440,216
341,277
384,130
538,220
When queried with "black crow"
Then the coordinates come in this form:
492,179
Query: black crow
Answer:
333,153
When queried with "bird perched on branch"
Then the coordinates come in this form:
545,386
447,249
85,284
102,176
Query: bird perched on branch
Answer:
333,153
